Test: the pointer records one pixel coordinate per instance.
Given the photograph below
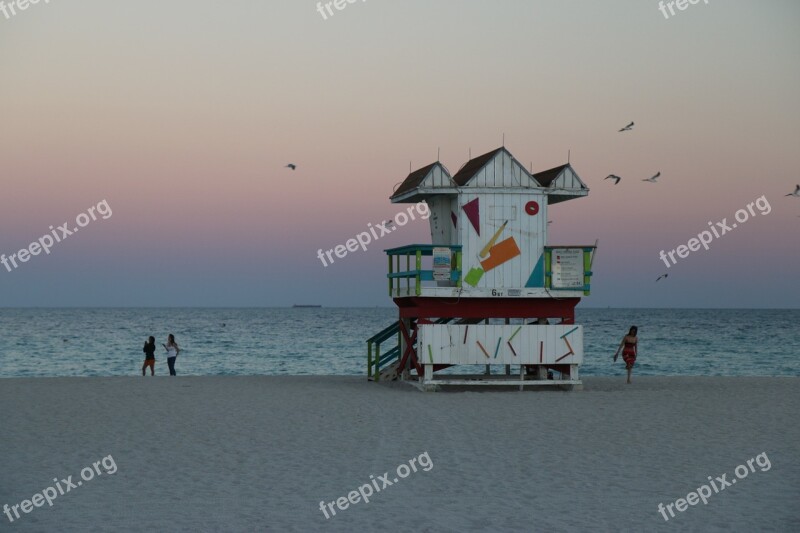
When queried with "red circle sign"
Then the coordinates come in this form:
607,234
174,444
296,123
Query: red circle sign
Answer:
531,208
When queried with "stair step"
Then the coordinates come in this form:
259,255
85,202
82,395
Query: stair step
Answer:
390,373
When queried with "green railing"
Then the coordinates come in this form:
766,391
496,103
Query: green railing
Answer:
417,274
377,361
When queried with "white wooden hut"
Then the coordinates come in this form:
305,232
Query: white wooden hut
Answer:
492,279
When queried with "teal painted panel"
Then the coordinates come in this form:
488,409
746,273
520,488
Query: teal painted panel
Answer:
537,276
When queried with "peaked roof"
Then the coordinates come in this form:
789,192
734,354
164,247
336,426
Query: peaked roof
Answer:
473,166
413,180
561,183
546,177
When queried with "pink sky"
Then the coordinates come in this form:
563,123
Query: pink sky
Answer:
183,116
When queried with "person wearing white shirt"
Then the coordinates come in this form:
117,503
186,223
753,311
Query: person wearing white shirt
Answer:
173,350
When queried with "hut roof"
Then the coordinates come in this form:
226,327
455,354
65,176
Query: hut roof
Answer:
473,166
546,177
562,181
413,180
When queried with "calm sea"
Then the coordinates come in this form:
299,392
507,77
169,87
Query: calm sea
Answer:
323,341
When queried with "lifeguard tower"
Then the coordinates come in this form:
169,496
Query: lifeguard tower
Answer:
489,290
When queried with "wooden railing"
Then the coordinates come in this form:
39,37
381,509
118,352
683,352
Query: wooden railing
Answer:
415,271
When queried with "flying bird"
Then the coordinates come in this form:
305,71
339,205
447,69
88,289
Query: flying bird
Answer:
661,276
613,177
796,192
291,165
654,178
629,127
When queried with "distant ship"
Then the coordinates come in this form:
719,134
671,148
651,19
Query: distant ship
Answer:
298,305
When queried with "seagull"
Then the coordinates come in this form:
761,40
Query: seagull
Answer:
654,178
796,192
613,177
629,127
661,276
291,165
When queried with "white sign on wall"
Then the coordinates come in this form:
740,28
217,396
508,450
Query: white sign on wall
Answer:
441,264
566,265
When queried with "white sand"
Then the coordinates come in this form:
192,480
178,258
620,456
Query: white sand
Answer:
258,453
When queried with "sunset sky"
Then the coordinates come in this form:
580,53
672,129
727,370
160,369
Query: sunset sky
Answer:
182,115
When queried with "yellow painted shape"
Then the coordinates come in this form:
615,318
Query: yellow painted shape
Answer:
493,240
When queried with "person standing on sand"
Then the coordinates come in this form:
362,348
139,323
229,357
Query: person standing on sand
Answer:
150,356
173,350
629,342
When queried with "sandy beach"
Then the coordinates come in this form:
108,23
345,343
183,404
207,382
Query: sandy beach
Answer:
261,453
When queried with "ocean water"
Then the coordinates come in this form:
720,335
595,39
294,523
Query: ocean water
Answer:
325,341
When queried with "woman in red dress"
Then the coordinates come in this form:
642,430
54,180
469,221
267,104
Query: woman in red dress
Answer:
628,347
